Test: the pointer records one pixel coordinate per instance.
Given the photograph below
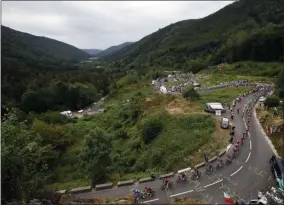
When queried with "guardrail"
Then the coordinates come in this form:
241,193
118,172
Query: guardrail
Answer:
103,186
80,190
125,183
147,179
166,175
143,180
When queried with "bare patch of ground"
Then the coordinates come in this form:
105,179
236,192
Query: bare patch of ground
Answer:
180,106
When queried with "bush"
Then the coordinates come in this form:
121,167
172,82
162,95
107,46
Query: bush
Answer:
272,101
116,125
121,134
191,94
151,129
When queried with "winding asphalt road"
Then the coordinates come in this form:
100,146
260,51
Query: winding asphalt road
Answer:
241,179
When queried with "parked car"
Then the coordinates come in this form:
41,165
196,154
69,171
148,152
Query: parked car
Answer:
225,123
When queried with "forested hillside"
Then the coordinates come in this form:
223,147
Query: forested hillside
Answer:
40,74
113,49
244,30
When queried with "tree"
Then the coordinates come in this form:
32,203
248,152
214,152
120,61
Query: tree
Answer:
191,94
280,83
95,154
25,161
151,129
272,101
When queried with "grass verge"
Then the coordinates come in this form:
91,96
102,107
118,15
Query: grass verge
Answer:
267,119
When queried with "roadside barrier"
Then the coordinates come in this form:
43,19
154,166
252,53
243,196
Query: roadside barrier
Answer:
147,179
104,186
166,175
61,191
184,170
80,190
125,183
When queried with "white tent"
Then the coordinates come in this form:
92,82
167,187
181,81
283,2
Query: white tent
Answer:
163,89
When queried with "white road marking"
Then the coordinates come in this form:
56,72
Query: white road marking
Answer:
178,194
249,134
248,157
250,144
236,171
144,202
213,183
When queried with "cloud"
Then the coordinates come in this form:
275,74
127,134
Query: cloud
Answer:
100,24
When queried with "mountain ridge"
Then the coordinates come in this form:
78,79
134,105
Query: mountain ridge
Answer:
38,47
222,36
113,49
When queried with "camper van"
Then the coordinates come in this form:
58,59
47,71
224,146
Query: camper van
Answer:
212,107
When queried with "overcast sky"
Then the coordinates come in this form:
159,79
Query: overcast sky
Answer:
95,24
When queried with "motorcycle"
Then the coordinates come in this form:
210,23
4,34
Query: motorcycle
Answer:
179,179
195,176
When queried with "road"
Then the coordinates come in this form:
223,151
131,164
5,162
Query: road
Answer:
241,179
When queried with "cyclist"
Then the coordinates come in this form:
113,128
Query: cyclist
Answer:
220,160
137,192
183,176
196,172
236,149
210,168
238,110
206,159
242,202
148,189
166,181
228,158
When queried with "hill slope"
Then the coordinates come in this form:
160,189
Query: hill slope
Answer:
243,30
113,49
27,58
21,46
92,52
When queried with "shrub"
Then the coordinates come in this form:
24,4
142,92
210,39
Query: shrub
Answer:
271,101
121,134
191,94
151,129
116,125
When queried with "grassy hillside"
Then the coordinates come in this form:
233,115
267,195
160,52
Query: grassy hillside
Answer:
244,30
